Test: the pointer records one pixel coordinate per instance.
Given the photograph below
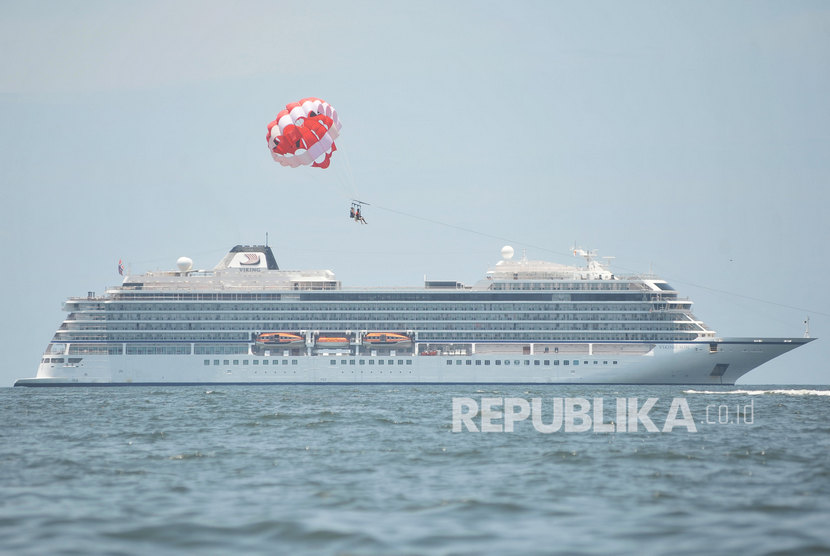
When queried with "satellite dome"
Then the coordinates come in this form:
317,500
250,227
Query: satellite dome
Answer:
507,252
184,264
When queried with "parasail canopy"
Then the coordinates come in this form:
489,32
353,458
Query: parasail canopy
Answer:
303,134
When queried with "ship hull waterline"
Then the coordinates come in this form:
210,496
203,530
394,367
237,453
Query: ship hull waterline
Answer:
691,363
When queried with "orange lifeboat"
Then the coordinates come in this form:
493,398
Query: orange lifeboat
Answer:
332,342
386,339
280,339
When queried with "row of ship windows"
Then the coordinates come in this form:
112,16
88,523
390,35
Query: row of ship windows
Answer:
154,349
391,325
506,362
265,362
429,304
553,286
478,337
152,320
545,362
558,286
351,307
391,362
388,325
541,284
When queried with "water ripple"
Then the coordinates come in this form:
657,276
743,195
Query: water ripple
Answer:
378,470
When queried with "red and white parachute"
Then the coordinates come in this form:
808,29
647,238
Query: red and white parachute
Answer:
304,134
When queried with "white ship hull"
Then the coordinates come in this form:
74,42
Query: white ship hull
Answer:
669,363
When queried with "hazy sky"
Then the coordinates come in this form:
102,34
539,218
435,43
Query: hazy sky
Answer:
690,139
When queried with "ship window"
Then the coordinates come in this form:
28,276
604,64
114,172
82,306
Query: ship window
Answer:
577,362
362,361
380,361
207,361
615,362
285,361
486,361
498,361
566,362
342,361
605,362
264,361
478,361
391,362
215,361
256,361
458,361
333,362
469,362
516,362
400,361
527,361
226,362
409,362
351,361
371,361
244,361
536,362
556,362
236,361
449,361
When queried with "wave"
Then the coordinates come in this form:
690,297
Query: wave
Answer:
785,392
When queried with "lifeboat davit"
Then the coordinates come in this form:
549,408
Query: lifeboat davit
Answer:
386,339
280,339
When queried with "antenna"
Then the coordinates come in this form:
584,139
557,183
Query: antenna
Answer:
807,327
266,239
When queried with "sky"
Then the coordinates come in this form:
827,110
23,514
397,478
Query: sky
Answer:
687,139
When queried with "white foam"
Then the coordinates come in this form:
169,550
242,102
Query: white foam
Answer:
785,392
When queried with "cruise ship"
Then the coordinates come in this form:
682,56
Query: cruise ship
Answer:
247,321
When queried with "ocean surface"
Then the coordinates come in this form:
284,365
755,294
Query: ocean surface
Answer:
378,470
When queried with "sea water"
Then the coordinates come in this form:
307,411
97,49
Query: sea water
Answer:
377,469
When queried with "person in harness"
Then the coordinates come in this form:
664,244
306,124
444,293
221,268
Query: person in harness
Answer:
359,217
354,213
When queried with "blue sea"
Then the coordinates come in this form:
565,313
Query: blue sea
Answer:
378,470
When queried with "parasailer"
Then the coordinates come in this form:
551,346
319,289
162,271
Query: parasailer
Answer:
303,134
355,214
